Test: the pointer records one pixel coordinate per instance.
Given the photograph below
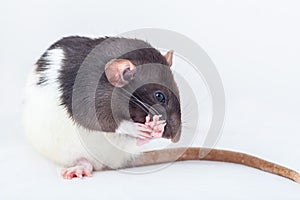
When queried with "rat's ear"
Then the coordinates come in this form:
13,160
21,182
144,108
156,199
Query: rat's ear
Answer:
169,57
119,72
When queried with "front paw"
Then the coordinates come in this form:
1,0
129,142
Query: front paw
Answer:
150,129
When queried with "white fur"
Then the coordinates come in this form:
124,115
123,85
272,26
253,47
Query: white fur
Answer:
51,131
127,127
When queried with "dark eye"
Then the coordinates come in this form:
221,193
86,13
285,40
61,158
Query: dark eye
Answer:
159,96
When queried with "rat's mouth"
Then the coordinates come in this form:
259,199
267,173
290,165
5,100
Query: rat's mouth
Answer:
176,138
173,137
172,131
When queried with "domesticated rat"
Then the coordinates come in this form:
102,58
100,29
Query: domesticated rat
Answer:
119,89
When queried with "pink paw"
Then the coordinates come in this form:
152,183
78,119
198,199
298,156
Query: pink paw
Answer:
82,169
150,130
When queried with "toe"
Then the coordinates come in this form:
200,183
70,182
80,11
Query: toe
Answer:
145,129
148,119
79,173
87,173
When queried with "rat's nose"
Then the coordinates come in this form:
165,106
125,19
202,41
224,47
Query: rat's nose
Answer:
173,128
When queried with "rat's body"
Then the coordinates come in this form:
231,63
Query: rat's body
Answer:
54,116
114,88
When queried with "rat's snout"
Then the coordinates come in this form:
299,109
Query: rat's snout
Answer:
173,127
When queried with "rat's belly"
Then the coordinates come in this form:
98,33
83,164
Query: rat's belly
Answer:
55,135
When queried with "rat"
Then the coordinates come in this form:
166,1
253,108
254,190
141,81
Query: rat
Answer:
120,89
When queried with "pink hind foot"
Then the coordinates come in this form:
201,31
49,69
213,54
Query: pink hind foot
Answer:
151,129
82,168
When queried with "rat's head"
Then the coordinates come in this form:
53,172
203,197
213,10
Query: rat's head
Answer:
151,85
155,99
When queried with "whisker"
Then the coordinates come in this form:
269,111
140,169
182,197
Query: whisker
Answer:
156,112
138,103
185,122
187,115
144,106
150,108
183,126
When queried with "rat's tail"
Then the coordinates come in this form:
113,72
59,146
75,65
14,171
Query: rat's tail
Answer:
181,154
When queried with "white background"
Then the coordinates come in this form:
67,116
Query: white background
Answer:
255,45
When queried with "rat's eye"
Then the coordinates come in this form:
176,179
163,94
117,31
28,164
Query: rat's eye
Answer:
159,96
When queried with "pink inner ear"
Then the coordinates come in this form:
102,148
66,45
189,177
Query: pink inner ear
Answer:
119,72
169,57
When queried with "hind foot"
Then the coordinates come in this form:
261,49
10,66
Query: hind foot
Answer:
82,168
